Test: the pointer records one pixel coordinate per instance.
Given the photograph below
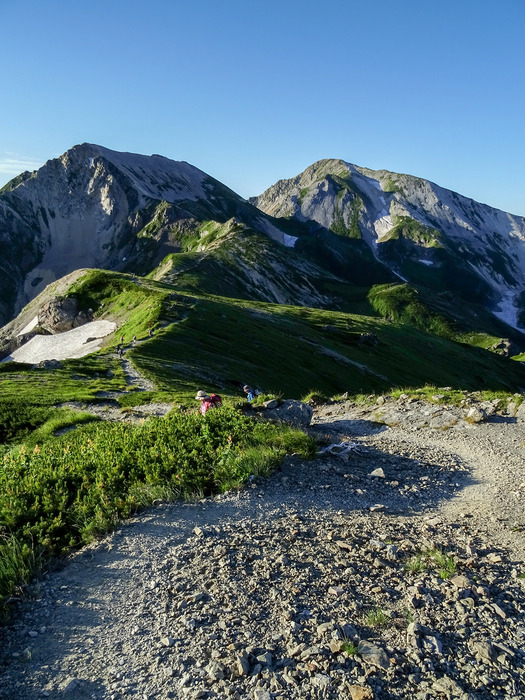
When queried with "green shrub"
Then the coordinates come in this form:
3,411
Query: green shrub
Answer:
18,418
349,648
68,490
377,618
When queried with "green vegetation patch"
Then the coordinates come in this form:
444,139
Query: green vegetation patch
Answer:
224,343
28,397
68,490
136,305
434,560
401,303
413,230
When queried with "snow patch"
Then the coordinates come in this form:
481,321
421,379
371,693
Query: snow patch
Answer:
27,329
383,224
63,346
507,310
426,262
289,241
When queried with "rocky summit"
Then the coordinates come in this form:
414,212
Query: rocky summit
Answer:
427,234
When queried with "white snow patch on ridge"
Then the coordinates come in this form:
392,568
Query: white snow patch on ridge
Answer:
29,327
289,241
375,183
63,346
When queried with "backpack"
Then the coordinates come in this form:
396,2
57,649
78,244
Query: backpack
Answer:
215,400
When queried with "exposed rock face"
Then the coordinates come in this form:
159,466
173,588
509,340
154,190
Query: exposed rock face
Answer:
94,207
506,348
60,315
427,234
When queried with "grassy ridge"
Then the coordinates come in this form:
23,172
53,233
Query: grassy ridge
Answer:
294,350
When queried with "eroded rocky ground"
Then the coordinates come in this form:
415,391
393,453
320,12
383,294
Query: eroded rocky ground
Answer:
392,570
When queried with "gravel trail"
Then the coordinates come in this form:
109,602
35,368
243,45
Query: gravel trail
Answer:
323,581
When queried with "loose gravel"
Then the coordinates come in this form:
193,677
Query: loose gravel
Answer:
394,570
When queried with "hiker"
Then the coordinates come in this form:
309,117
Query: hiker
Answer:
150,332
207,402
251,394
134,339
122,340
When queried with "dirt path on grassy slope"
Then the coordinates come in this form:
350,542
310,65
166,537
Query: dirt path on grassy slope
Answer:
103,626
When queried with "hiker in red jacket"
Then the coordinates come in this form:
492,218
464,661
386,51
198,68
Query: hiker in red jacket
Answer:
207,402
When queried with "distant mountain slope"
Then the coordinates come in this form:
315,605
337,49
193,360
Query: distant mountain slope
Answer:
94,207
218,342
428,235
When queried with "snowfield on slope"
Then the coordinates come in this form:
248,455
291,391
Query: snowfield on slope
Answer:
77,342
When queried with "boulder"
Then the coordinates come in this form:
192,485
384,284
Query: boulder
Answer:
475,414
290,411
49,364
60,315
368,340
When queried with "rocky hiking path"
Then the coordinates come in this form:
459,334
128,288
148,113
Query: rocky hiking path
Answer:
111,409
391,571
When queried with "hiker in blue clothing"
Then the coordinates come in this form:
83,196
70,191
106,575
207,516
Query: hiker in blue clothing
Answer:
251,394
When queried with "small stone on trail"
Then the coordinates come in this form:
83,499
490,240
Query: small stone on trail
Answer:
373,655
377,507
361,692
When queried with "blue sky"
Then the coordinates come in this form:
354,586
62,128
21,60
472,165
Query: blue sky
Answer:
252,92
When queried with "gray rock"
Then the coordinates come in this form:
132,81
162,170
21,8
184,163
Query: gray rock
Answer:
445,420
60,315
215,671
483,650
241,665
49,364
261,694
265,659
373,655
449,686
321,681
296,413
475,414
71,686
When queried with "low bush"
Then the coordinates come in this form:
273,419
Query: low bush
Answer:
69,490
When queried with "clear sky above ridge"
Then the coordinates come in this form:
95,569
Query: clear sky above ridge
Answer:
253,92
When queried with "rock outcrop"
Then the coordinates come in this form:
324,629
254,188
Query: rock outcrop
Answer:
295,413
60,315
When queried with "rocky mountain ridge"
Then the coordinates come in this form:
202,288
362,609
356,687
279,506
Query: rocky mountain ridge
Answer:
315,240
94,207
427,234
